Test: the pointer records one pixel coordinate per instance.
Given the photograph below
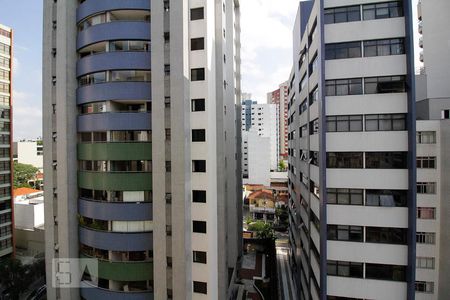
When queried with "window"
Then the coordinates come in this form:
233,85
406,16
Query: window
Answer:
344,123
313,64
199,226
426,137
385,84
4,87
198,105
303,130
426,213
197,13
199,166
386,272
345,269
312,33
386,235
200,287
387,122
343,87
353,160
198,196
345,233
199,257
345,196
386,198
198,135
303,107
426,162
314,157
4,62
197,44
314,127
425,262
314,95
426,238
425,287
342,14
198,74
168,134
5,49
445,114
168,166
300,62
302,83
343,50
384,47
130,75
386,160
383,10
426,187
4,75
128,46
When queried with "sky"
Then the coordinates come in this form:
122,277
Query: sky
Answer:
266,54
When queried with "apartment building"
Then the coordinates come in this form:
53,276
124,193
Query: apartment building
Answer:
29,152
263,119
433,140
6,207
255,158
280,98
352,151
142,142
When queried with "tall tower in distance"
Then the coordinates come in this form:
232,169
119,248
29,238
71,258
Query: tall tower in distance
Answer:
143,168
352,150
280,97
6,161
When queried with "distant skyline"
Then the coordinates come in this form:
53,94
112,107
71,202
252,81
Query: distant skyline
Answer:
266,54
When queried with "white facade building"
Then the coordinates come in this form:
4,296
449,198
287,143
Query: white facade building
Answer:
352,150
263,119
30,152
255,158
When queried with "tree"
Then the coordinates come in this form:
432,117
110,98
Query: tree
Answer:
263,230
281,166
15,276
23,173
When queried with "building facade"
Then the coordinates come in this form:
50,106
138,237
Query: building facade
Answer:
255,158
352,141
6,207
280,97
30,153
433,142
263,119
142,157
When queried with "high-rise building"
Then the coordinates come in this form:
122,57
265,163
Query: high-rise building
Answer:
433,148
352,151
142,158
6,207
263,119
280,97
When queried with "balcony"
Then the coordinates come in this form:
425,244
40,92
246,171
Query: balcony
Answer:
115,151
115,211
89,291
114,121
116,241
115,181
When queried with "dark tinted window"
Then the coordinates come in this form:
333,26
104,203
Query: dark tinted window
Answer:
345,233
197,74
343,50
386,235
386,198
199,166
386,272
198,104
353,160
200,287
198,135
197,13
199,196
386,160
343,87
383,10
384,47
385,84
199,257
199,226
345,269
197,44
342,14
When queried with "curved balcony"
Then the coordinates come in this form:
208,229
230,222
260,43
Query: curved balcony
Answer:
114,121
114,91
116,241
114,61
91,292
124,270
115,151
118,30
91,7
115,181
115,211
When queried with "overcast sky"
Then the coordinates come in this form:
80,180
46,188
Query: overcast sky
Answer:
266,54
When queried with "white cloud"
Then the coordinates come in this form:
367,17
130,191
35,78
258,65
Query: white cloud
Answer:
266,44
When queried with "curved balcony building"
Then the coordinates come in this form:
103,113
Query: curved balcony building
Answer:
140,127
